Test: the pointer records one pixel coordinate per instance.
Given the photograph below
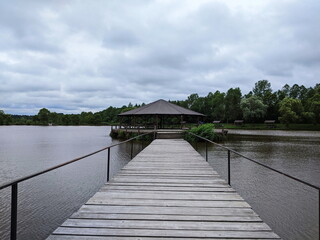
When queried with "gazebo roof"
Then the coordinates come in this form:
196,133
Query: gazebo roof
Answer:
160,107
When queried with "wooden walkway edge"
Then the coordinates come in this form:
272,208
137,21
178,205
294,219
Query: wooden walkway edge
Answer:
168,191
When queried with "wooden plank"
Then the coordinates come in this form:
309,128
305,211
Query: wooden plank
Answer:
172,165
196,211
226,196
165,180
165,188
188,185
168,225
70,237
172,171
168,176
163,233
168,203
200,218
165,173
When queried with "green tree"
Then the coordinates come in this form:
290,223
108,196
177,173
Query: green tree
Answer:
290,110
43,116
2,116
232,104
253,109
191,101
97,119
314,103
56,118
218,106
285,90
74,119
294,91
5,119
262,88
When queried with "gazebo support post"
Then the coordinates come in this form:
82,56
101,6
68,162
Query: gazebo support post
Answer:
156,122
181,121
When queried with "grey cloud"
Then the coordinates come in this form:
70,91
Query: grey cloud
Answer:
118,38
24,27
80,55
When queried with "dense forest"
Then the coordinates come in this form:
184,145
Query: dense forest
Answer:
291,104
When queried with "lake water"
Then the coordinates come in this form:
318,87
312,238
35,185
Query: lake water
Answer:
290,208
46,201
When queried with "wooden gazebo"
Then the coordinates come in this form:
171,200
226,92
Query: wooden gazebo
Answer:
160,114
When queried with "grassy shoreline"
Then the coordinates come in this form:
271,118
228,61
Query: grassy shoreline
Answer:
277,126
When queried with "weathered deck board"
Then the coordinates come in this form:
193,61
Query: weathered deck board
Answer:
167,191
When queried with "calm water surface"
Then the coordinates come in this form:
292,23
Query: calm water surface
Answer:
46,201
290,208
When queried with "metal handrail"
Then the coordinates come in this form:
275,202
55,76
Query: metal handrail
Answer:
259,163
255,161
14,183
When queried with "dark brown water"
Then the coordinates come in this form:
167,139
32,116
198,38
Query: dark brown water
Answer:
46,201
290,208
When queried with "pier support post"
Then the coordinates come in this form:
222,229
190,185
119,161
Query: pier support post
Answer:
131,154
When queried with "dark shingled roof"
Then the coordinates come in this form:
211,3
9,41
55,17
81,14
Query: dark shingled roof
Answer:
161,107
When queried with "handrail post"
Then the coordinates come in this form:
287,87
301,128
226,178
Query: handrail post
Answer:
206,151
108,169
229,181
131,155
14,211
154,135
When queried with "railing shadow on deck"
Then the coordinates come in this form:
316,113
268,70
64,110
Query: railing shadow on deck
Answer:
256,162
14,184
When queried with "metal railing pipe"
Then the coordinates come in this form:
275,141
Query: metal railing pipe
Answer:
207,151
261,164
5,185
14,211
229,172
108,165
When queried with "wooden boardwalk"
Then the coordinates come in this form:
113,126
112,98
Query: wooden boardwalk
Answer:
168,191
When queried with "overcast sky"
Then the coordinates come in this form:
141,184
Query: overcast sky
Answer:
74,56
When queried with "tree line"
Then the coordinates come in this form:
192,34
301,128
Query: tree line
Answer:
291,104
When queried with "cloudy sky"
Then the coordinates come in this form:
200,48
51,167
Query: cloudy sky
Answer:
73,56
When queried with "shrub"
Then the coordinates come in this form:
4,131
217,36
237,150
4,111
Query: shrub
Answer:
113,134
204,130
121,134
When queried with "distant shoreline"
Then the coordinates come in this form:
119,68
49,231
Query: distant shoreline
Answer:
275,133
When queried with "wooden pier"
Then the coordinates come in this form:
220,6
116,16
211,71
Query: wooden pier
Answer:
168,191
